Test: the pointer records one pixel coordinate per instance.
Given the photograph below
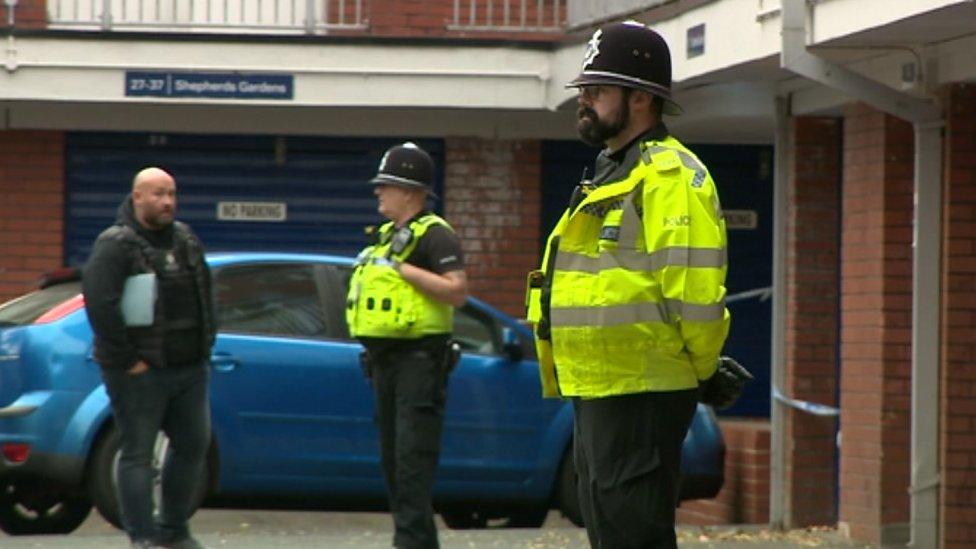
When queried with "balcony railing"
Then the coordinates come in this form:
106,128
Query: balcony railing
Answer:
263,16
509,15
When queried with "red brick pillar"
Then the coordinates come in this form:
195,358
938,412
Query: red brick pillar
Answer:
957,510
876,286
491,197
812,318
32,208
744,498
28,14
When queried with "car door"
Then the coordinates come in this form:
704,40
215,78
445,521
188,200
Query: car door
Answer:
292,412
496,420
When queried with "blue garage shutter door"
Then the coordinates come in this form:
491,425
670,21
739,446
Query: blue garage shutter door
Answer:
320,184
744,176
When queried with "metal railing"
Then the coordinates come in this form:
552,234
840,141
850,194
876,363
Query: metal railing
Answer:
256,16
509,15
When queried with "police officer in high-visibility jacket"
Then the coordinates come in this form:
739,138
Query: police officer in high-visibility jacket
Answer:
629,305
400,306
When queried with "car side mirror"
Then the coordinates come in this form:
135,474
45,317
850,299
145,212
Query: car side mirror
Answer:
512,344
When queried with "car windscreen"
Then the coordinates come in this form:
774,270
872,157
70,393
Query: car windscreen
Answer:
26,309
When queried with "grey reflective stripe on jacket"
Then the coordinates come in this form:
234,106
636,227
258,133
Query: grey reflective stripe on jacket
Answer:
695,312
614,315
632,313
629,258
634,260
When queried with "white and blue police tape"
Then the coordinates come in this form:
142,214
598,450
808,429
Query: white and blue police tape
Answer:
809,407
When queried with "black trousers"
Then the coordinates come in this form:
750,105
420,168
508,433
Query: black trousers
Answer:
410,387
627,452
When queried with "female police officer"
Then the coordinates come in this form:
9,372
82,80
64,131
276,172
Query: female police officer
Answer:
400,306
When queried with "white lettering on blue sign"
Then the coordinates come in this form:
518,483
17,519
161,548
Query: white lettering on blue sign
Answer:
209,85
252,211
741,220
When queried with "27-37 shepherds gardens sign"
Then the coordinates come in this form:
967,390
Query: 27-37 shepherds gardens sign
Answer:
209,85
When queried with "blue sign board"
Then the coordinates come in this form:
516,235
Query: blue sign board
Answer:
695,41
231,85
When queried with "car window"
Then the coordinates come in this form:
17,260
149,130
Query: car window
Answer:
334,281
476,331
30,307
272,299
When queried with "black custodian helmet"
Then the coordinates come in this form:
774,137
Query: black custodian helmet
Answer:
631,55
407,165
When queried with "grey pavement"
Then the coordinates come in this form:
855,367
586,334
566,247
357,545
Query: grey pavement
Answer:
257,529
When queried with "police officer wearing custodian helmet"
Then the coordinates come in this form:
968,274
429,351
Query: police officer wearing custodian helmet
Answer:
400,306
629,305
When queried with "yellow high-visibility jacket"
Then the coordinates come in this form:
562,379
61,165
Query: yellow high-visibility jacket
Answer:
635,275
380,303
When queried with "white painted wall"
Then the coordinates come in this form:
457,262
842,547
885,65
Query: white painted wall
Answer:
325,74
581,12
442,88
838,18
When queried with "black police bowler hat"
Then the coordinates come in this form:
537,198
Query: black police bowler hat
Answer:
631,55
406,165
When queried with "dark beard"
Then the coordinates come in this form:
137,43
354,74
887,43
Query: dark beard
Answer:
158,222
596,132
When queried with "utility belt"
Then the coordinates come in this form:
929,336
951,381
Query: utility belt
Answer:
451,357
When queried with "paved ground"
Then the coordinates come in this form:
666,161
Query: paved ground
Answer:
250,529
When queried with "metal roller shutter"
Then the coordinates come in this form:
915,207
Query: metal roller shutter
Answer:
319,184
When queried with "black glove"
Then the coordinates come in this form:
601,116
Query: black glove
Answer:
724,387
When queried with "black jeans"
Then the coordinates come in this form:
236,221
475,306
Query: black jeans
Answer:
627,452
175,401
410,388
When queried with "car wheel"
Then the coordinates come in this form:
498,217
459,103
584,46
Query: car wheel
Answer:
27,508
567,498
104,470
464,519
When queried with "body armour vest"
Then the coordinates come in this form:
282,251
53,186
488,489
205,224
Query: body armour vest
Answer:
182,330
380,302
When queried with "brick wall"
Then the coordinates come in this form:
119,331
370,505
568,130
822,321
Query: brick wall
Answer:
29,14
812,319
31,208
812,343
492,200
402,18
744,498
958,410
435,19
876,322
397,18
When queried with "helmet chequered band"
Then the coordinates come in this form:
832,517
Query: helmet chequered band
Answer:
617,76
393,179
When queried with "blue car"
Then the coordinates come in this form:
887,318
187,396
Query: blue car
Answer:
292,415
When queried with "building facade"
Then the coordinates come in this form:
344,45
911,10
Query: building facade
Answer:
842,134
